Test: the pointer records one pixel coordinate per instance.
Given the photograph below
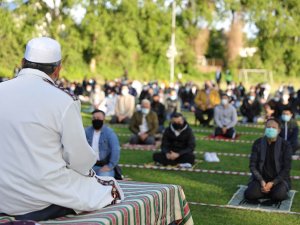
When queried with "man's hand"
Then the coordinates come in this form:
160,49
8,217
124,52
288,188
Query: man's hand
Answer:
143,136
224,130
174,155
105,169
269,186
168,156
263,187
120,118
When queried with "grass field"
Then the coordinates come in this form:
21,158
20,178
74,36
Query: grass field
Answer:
210,188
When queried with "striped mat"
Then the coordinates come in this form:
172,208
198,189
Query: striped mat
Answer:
144,204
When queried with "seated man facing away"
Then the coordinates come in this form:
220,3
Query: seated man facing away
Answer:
270,165
289,129
225,116
144,125
178,143
105,143
45,169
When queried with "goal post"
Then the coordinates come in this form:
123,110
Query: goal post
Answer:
264,75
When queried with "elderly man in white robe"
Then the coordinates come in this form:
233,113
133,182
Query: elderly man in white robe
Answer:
45,169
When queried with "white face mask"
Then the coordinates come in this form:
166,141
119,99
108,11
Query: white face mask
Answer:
173,97
125,92
224,101
285,97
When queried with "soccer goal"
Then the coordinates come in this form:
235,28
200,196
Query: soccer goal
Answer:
255,75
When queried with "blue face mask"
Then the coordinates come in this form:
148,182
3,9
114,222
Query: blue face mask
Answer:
251,98
286,118
145,111
271,132
173,97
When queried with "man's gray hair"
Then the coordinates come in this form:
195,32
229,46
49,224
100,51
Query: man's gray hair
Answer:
146,101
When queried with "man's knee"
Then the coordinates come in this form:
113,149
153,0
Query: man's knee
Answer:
150,140
253,191
134,140
158,157
250,194
279,193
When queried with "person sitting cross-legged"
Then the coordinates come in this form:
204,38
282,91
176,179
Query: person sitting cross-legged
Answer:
105,143
144,125
178,143
289,128
205,102
270,165
225,116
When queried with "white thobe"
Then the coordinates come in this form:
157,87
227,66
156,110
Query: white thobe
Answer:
45,157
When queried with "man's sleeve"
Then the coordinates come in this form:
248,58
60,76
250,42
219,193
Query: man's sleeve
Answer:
217,117
154,125
190,145
286,165
77,153
254,162
234,118
115,150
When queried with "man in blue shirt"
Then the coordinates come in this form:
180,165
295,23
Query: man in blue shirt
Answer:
105,143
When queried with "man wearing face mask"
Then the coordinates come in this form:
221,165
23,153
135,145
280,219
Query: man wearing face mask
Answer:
105,143
284,103
289,128
178,144
144,125
270,165
250,108
225,116
205,101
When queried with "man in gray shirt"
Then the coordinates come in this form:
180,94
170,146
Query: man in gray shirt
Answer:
225,117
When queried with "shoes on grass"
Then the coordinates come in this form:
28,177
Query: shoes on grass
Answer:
211,157
185,165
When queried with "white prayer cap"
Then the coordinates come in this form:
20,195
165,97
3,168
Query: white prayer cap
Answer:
43,50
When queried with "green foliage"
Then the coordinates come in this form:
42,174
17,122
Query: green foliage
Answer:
135,35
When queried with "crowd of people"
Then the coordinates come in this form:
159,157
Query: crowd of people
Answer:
48,139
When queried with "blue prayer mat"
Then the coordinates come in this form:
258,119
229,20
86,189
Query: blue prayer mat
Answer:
239,201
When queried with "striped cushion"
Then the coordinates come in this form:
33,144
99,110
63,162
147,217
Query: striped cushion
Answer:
145,203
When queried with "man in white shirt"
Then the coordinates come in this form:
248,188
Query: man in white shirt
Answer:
45,169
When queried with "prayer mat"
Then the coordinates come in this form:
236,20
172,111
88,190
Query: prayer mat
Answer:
145,203
239,201
143,147
237,136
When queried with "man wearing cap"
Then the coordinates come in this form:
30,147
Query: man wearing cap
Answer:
45,158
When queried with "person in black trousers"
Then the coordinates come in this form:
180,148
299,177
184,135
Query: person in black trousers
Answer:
160,110
270,165
178,143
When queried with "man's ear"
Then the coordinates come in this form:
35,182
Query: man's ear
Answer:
55,74
22,62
